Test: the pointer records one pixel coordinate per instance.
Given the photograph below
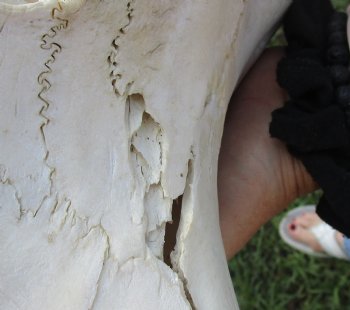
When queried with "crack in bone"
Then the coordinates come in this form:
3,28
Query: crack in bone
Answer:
5,180
185,219
175,102
146,147
105,257
61,211
3,174
147,140
158,213
35,213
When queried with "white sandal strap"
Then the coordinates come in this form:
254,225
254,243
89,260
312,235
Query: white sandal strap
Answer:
325,235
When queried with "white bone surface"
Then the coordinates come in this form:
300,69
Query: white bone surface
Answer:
110,110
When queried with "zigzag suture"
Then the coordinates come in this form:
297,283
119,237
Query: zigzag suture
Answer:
48,43
112,59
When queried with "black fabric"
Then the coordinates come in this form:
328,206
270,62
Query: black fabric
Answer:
305,24
306,78
312,124
306,132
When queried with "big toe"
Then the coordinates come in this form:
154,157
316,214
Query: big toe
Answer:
302,234
307,220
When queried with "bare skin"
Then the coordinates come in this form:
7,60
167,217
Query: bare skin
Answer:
299,230
257,177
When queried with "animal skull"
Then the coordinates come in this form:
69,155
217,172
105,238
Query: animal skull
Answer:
110,111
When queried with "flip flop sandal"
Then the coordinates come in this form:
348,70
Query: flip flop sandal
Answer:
324,234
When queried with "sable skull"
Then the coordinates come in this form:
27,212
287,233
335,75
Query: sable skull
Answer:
110,110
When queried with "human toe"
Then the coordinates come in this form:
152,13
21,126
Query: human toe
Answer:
302,234
307,220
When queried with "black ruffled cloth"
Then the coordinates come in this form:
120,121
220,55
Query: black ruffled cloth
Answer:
314,123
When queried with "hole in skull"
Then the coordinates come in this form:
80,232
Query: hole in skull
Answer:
171,230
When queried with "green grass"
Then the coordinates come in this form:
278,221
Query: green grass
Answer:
340,4
268,274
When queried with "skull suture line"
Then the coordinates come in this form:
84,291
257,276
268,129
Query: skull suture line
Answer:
110,111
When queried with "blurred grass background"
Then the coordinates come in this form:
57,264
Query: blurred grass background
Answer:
268,274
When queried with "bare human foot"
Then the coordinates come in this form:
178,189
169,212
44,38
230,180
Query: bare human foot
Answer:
257,176
299,230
